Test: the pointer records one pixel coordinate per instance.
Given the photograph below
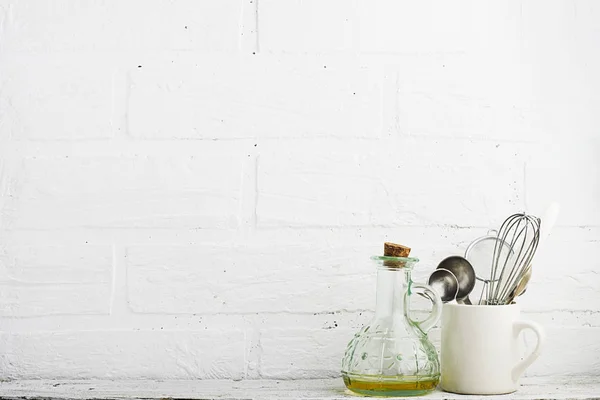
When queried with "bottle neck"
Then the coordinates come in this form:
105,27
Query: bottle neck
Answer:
392,285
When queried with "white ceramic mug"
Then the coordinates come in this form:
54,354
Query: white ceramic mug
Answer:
480,352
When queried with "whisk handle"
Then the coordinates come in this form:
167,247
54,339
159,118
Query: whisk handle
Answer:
518,327
436,311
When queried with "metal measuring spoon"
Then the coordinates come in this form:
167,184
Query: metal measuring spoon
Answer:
464,273
521,287
444,283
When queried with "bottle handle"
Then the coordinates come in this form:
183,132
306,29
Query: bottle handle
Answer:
436,300
518,327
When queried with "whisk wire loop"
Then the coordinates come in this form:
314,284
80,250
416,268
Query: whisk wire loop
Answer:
522,234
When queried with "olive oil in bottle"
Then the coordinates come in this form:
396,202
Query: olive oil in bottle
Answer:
377,385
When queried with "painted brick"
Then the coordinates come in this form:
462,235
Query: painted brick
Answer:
409,182
23,300
71,25
466,96
129,192
574,360
566,96
572,273
388,27
123,354
50,97
48,280
307,26
563,24
567,172
36,264
214,279
564,109
256,97
308,355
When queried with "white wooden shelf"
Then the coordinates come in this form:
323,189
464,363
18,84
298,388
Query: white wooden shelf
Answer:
579,388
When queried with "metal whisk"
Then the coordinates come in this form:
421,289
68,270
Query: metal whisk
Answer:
511,263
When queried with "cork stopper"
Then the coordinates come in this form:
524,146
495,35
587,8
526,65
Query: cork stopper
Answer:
395,250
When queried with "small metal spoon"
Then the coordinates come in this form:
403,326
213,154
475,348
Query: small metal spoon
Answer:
521,287
464,273
444,283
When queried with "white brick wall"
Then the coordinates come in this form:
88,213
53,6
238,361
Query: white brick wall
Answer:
192,189
234,97
126,192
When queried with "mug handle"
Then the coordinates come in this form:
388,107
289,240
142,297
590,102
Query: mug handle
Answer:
436,300
518,327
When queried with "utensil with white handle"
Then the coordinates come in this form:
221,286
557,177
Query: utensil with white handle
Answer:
548,221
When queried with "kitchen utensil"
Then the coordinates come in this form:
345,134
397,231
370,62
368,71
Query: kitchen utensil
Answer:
444,283
548,220
464,273
480,253
521,287
522,233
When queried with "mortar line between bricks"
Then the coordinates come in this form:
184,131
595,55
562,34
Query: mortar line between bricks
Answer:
119,307
256,26
109,142
525,200
132,314
255,213
397,105
253,351
127,97
3,13
147,322
260,352
113,283
58,146
334,312
247,200
345,228
114,120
